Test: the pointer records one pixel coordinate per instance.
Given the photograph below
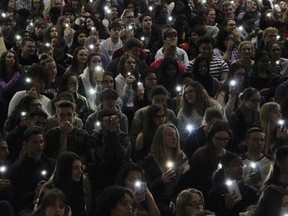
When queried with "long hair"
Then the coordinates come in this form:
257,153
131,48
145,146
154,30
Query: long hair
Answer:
270,202
59,25
266,124
184,198
74,63
16,67
121,66
125,170
64,80
202,102
158,148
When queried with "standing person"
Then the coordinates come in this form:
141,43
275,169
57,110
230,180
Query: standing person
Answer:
165,166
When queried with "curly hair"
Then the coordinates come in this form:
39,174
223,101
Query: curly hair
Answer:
16,67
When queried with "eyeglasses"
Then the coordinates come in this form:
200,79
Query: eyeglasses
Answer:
222,138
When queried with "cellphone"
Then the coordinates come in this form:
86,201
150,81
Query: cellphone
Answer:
233,188
140,86
139,188
255,168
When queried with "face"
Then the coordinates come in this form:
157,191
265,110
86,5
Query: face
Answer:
263,63
275,52
159,99
65,114
146,22
39,85
10,59
52,71
275,115
135,52
206,50
81,39
89,23
256,142
171,70
231,26
115,33
35,145
131,178
246,51
150,81
160,118
53,32
239,75
228,11
108,82
179,6
12,4
271,36
95,61
284,209
194,37
82,56
123,207
220,140
251,6
67,21
190,94
211,16
129,18
235,169
130,64
108,103
38,121
77,171
58,3
39,30
72,84
28,48
172,37
203,68
4,152
56,208
252,102
170,138
195,205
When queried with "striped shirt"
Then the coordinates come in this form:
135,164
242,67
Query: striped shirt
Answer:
217,67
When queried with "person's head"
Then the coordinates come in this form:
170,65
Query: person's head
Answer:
169,68
189,202
166,139
6,25
170,34
273,201
196,33
252,6
115,30
210,15
128,174
211,115
108,98
116,200
227,9
251,98
169,49
205,46
205,213
255,140
65,111
44,51
9,59
133,47
28,46
93,60
69,82
37,118
159,95
223,39
157,115
50,65
219,136
53,203
92,44
146,21
128,16
248,22
232,166
108,80
127,63
79,38
270,114
229,25
28,104
149,80
238,73
68,170
261,61
33,142
38,78
125,35
201,67
79,57
40,26
245,50
4,151
270,34
274,50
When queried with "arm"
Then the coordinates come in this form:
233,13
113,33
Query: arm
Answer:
11,83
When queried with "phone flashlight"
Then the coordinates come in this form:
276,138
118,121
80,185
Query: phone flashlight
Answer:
43,172
178,88
169,164
281,122
189,127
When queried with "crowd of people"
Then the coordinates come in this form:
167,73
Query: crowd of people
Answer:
143,107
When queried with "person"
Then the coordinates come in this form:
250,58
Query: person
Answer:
220,199
218,67
206,159
78,40
108,98
110,149
275,206
53,202
277,175
156,116
115,200
244,117
164,166
198,136
256,164
79,61
276,133
189,202
245,54
195,102
68,177
129,176
66,137
27,56
30,170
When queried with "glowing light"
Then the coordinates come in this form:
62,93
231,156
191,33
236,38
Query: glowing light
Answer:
281,122
189,127
98,68
3,169
139,83
67,25
43,172
138,184
228,182
18,37
269,14
220,166
3,15
28,80
240,28
253,165
277,62
232,83
204,1
170,18
169,164
108,11
31,24
278,37
150,8
92,91
98,123
142,38
23,113
93,29
47,44
91,46
130,27
129,73
232,2
178,88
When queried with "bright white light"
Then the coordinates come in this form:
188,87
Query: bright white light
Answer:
139,83
277,62
220,166
232,2
66,25
3,15
253,165
150,8
106,8
23,113
137,184
92,91
91,46
228,182
189,127
98,68
142,38
47,44
98,123
240,28
3,169
170,18
108,11
31,24
93,29
178,88
281,122
43,172
204,1
129,74
130,27
269,14
232,83
169,164
18,37
28,80
278,37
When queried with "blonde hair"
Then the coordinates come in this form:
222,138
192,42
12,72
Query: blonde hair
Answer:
269,30
243,43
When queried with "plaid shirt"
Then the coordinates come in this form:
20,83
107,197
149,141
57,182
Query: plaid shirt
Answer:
219,54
